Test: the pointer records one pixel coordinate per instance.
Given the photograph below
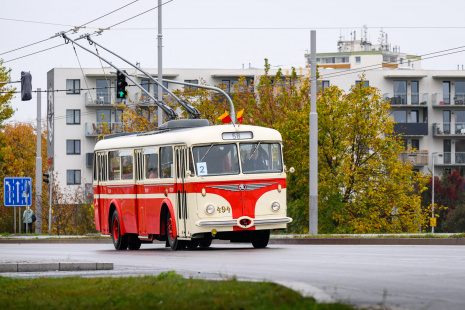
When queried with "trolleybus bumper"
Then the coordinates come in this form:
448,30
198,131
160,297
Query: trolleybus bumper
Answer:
244,222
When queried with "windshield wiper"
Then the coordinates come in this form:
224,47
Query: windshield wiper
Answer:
255,149
207,152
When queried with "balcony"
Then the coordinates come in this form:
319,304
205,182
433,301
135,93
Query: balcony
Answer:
98,99
441,100
454,129
97,128
407,99
417,158
411,129
451,159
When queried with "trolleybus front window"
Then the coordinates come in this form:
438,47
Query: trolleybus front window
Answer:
261,157
216,159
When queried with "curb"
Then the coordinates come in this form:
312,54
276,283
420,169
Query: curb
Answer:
55,266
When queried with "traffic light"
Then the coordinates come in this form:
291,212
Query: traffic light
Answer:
121,84
46,180
26,86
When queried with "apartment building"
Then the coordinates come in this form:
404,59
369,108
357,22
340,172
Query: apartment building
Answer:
428,106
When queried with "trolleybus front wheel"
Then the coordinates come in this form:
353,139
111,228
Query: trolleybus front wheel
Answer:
119,241
174,243
260,238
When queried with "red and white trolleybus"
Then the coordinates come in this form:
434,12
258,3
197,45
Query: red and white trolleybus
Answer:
189,183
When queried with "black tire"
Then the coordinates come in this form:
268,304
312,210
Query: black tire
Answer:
119,241
174,243
260,239
134,242
192,245
205,244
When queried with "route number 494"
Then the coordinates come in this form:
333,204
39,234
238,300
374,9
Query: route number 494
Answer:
223,209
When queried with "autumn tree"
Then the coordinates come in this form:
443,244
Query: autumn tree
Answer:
18,152
6,94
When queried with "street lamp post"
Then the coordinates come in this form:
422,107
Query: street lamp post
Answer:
433,157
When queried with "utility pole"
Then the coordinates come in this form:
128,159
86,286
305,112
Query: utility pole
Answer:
160,68
39,167
313,142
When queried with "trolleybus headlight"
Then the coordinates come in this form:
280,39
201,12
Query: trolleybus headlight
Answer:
275,206
210,209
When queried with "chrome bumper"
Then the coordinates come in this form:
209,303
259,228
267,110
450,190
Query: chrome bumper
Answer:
237,222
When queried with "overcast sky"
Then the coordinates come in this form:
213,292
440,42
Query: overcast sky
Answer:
220,33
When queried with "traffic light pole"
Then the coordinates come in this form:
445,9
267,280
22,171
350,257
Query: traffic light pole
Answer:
166,108
160,64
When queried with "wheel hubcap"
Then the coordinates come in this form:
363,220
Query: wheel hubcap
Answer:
115,229
170,229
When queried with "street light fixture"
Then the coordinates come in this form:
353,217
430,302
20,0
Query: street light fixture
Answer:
433,157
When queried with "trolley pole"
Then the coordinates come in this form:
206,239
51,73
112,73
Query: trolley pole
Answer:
160,68
39,167
313,142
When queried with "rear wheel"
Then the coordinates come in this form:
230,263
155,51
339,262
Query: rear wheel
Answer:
119,241
134,242
260,239
205,244
173,241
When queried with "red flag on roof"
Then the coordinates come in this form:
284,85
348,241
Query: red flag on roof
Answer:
225,118
239,116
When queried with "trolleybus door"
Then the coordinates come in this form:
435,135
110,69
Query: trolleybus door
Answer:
140,193
99,165
181,197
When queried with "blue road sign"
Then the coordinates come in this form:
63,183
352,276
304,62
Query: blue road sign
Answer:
17,192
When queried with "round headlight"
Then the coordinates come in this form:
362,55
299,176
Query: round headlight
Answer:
210,209
275,206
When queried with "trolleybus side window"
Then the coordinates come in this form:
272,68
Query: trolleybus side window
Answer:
127,164
216,159
166,162
261,157
114,165
151,163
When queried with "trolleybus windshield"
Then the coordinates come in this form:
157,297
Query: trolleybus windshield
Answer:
216,159
261,157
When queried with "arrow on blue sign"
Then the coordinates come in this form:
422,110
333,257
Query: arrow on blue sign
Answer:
17,191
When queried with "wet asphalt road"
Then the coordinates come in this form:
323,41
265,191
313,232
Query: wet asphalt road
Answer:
409,277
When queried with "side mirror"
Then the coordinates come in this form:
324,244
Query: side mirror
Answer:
291,170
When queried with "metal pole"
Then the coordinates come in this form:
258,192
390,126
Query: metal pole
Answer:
160,64
313,141
50,205
14,222
39,166
432,194
19,219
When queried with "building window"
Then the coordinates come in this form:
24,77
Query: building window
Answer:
322,85
155,91
103,116
192,82
400,92
447,171
73,177
366,83
446,92
73,86
103,91
400,116
227,85
358,59
447,149
73,147
415,144
73,117
415,97
414,116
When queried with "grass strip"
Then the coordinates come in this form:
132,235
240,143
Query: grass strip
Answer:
165,291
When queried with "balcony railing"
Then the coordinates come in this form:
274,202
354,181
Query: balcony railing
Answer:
98,98
406,99
449,129
449,158
440,99
417,158
411,129
97,128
